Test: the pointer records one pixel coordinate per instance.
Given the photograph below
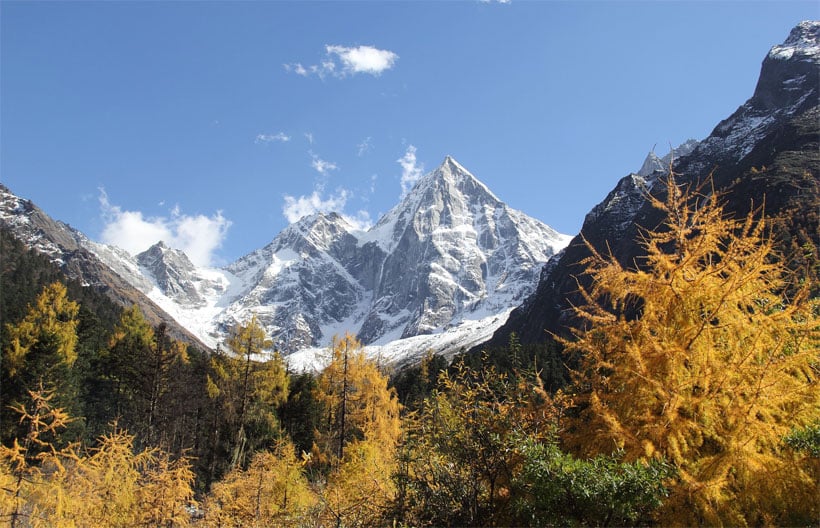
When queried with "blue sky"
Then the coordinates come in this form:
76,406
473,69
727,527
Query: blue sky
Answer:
214,124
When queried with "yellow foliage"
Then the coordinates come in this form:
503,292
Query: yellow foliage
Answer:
359,404
459,458
52,321
360,491
248,385
118,487
111,486
273,491
699,355
21,465
132,332
358,439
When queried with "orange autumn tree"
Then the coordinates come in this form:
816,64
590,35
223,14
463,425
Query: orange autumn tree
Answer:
356,441
43,485
707,355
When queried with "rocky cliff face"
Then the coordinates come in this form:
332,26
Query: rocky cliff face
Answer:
451,250
298,285
768,150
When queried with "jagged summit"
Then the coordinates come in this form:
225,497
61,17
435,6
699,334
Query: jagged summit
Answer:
652,163
438,199
316,232
470,251
803,41
789,74
451,172
173,273
789,85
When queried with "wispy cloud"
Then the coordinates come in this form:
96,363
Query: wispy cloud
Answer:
296,68
280,137
296,208
411,170
199,236
309,137
342,61
321,166
495,1
365,146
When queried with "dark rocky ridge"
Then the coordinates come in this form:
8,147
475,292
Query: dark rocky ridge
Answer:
767,151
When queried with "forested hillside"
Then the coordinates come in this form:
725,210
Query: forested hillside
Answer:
695,401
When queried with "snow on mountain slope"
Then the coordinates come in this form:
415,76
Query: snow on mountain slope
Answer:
470,253
404,352
298,285
788,85
448,255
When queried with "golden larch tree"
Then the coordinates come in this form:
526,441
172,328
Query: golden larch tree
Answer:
43,485
357,400
248,384
272,491
705,353
357,438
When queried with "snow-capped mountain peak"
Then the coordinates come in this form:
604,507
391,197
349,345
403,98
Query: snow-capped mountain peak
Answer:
173,273
470,252
651,164
803,42
452,174
449,253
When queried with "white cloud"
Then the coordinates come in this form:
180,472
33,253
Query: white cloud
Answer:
198,236
360,222
321,166
363,59
411,171
271,138
365,146
309,137
297,208
342,61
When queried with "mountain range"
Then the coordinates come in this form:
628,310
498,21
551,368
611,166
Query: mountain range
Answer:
450,255
451,266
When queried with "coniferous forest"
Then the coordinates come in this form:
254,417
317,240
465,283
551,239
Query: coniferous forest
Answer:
686,393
